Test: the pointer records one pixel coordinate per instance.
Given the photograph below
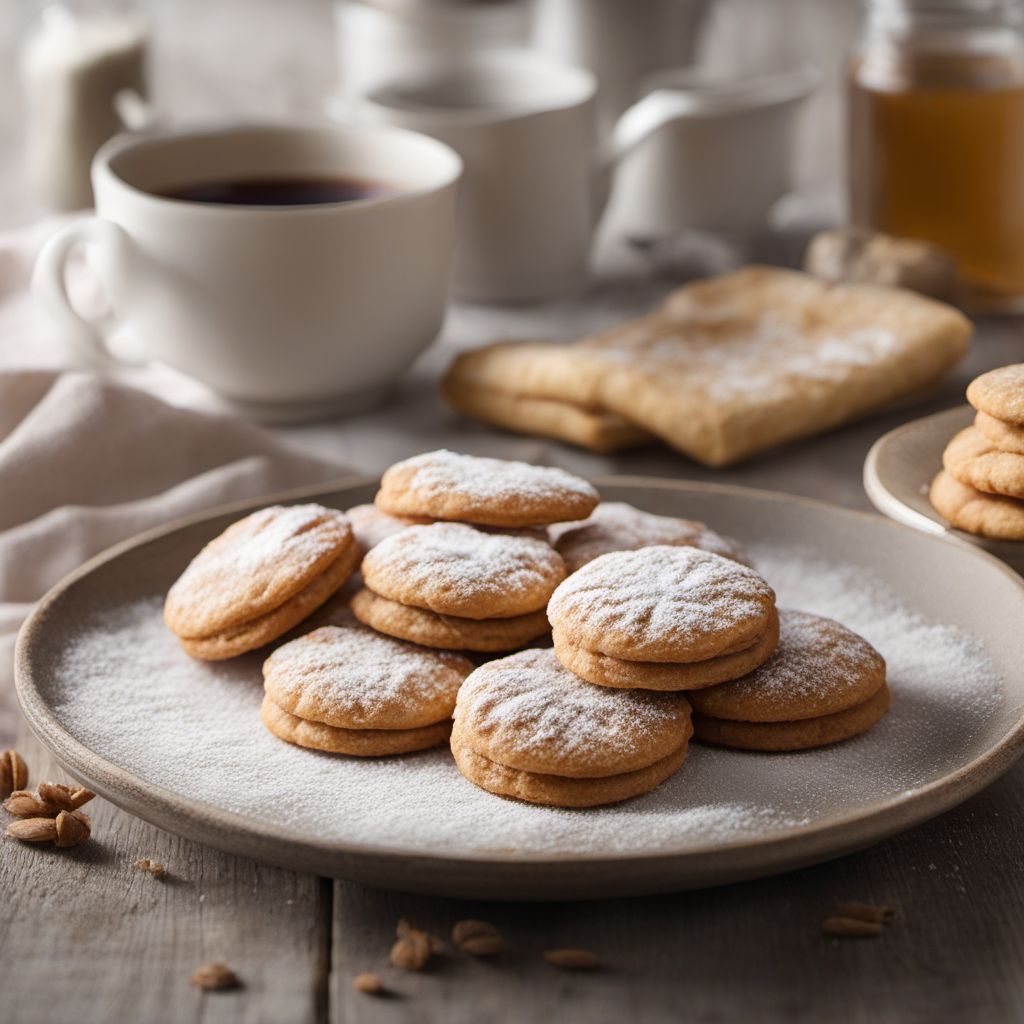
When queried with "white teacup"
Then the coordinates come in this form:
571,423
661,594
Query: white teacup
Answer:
291,311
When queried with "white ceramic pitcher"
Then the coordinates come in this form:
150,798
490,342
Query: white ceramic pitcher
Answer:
536,178
621,41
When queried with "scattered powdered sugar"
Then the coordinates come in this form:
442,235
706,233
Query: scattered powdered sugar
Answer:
617,526
124,688
529,704
433,566
444,472
350,675
645,602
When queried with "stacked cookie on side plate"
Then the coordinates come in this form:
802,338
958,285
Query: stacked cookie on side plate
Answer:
478,576
981,486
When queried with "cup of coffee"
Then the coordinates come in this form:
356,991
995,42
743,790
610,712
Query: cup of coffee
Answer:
295,270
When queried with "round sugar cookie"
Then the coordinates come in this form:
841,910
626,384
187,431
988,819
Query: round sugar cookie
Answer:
555,790
354,742
454,569
1007,437
353,678
662,604
799,735
616,526
527,711
249,636
1000,393
450,632
988,515
490,492
971,458
254,566
819,668
604,670
371,526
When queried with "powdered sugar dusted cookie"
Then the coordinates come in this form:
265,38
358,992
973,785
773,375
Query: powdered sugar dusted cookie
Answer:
557,790
448,632
490,492
990,515
604,670
819,668
454,569
371,526
354,742
1000,393
802,734
259,578
616,526
1007,437
353,678
662,604
528,712
972,459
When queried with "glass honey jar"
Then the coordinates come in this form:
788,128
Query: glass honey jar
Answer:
936,135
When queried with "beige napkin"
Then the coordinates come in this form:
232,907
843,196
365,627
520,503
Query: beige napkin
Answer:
85,464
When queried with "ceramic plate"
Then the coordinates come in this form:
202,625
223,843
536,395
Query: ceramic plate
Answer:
902,464
179,742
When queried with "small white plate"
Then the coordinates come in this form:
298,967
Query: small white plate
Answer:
902,464
179,742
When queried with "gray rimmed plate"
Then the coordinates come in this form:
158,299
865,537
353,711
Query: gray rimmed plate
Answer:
900,468
180,744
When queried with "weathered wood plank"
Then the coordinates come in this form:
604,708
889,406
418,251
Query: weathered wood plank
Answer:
85,936
746,952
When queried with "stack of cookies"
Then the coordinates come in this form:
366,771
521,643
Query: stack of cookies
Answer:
349,690
981,486
526,727
689,621
663,618
476,571
823,684
259,578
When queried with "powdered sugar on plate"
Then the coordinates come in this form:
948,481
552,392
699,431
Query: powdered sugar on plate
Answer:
126,690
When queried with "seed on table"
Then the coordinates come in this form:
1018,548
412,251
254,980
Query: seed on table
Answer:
851,928
478,938
368,982
215,978
572,959
865,911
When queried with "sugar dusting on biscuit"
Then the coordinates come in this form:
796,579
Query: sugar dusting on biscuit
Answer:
528,703
629,604
451,563
617,526
354,673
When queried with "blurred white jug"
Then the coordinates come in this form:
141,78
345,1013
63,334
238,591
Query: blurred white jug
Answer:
536,179
621,41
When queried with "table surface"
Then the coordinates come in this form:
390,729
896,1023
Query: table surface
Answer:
85,936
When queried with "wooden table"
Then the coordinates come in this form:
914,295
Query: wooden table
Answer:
85,936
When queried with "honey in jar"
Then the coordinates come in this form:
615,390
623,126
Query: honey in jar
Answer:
936,147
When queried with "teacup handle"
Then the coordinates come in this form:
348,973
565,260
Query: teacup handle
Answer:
89,338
